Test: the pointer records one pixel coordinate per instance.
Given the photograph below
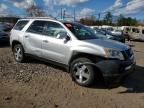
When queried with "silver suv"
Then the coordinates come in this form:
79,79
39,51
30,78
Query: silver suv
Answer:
73,46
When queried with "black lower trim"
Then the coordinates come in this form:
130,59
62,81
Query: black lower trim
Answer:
116,70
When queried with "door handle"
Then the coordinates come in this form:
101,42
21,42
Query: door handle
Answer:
45,41
27,36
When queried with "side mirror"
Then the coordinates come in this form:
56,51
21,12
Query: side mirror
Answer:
67,38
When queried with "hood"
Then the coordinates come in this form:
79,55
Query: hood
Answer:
106,43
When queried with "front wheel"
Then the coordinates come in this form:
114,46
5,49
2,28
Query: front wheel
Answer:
18,53
82,74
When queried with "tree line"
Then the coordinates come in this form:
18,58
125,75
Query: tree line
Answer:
109,20
91,21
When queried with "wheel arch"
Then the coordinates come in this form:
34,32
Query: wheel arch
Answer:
15,42
93,58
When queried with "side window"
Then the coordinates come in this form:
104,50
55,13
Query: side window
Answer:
135,30
128,29
53,29
36,27
20,25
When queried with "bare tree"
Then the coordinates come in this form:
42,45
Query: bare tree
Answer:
35,11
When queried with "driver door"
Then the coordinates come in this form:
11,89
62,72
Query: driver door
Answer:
53,45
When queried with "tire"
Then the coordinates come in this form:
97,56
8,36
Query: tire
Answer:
83,75
18,52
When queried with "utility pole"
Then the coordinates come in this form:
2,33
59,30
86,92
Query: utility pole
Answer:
64,14
74,15
99,15
61,13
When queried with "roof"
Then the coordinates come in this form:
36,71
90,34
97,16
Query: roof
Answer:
39,18
48,18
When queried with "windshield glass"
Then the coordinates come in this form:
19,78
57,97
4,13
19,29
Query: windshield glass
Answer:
81,32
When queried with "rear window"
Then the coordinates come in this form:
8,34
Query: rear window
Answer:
20,25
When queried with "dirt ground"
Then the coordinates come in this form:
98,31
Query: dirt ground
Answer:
36,84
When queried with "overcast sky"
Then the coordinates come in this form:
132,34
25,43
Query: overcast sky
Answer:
133,8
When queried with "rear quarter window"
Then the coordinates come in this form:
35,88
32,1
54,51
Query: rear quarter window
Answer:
20,25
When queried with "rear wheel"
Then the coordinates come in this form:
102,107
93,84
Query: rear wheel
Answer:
18,53
82,74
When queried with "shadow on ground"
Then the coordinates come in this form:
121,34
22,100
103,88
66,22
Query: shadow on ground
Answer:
35,60
133,82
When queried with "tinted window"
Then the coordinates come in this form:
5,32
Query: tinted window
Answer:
36,27
20,25
53,29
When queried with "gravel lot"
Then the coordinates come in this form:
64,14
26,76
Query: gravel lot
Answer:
36,84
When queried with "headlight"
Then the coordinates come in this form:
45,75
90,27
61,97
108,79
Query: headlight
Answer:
110,53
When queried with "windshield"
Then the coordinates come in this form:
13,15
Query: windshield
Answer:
80,31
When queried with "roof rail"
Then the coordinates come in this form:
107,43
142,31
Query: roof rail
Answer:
39,18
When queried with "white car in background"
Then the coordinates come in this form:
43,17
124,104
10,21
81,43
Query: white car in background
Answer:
116,32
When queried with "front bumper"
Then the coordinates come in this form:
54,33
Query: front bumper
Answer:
115,78
115,70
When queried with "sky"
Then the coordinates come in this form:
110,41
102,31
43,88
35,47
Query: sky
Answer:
83,8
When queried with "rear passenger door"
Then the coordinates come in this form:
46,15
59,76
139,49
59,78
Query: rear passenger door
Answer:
53,46
33,38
